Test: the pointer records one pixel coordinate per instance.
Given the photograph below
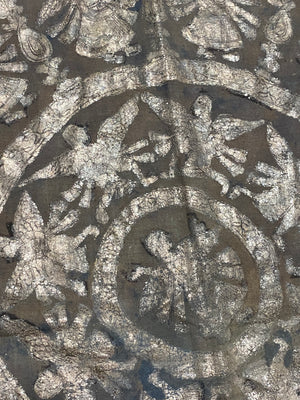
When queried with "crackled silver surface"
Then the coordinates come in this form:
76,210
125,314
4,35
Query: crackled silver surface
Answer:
149,199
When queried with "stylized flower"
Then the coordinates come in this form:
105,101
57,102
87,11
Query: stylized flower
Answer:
187,276
45,255
77,359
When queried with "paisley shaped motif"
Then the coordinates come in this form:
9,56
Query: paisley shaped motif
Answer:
35,46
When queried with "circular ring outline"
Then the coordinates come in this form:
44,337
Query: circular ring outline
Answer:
105,291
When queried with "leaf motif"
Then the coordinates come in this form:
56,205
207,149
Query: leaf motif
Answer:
231,128
13,89
279,148
28,222
22,282
113,129
39,344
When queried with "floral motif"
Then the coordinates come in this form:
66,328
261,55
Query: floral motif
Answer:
46,256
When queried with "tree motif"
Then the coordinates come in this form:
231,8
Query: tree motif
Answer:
99,164
46,256
187,276
77,360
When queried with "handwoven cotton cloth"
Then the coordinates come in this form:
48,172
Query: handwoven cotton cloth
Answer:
149,199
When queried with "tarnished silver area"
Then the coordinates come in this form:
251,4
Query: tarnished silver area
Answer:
278,376
72,94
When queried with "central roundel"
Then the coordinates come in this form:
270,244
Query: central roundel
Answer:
181,274
197,274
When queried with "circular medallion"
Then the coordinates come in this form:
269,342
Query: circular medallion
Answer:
185,272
